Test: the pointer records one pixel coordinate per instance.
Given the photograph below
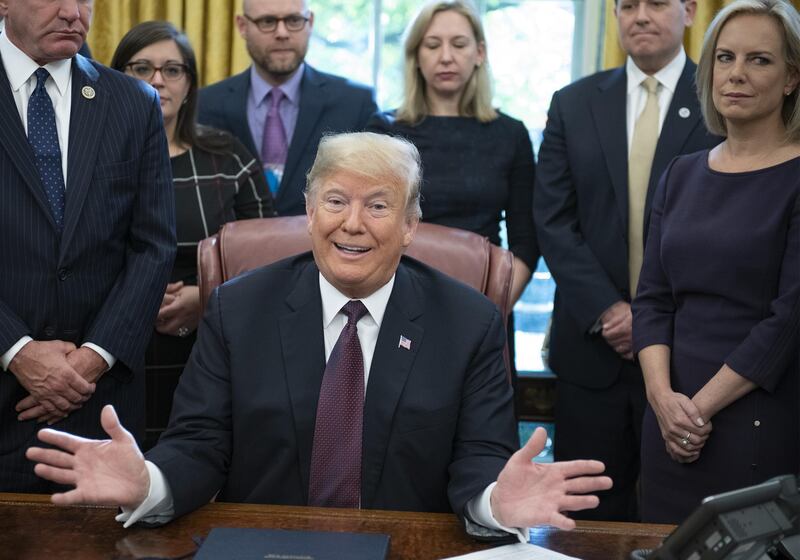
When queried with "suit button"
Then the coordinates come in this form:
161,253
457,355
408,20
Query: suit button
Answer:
49,331
63,273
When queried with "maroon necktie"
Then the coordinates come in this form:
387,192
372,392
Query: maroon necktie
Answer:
335,479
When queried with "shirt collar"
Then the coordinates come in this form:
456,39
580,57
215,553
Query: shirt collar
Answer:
668,76
333,300
20,67
259,87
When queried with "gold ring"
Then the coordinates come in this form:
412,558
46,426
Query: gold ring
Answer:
685,442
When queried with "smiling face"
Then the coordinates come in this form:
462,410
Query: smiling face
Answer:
651,31
359,228
172,93
276,54
448,55
751,77
48,30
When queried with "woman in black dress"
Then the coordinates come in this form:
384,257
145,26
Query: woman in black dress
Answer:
715,322
478,163
216,181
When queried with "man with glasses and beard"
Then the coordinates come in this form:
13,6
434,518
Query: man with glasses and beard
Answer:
280,107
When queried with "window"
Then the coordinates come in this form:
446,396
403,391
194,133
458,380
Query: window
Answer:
535,47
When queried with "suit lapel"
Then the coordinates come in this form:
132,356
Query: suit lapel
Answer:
303,348
15,143
312,101
236,109
610,116
390,368
678,126
87,120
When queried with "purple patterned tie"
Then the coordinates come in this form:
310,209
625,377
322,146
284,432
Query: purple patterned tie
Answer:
335,479
273,147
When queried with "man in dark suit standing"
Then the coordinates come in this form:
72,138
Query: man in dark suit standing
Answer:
347,377
280,107
608,138
86,228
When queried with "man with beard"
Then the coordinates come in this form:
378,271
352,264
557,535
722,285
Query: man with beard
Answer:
280,107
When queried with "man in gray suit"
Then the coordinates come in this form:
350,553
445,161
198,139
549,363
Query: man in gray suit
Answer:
280,107
608,138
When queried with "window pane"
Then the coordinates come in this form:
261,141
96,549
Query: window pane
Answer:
341,42
531,51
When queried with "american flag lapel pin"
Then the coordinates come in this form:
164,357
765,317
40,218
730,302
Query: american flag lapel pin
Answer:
404,343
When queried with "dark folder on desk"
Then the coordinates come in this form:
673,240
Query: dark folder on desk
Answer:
224,543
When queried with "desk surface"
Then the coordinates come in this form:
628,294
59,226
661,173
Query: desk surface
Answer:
32,528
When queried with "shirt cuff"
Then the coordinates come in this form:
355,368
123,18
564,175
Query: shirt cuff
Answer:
5,359
479,510
157,508
110,360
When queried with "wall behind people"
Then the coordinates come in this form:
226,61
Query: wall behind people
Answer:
209,25
613,55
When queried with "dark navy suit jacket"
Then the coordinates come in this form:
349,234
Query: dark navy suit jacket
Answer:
328,104
438,417
102,279
581,209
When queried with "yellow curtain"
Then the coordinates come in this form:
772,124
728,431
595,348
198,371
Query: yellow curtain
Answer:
208,23
706,10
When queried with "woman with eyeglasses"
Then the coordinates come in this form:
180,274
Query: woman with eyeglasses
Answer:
478,162
216,181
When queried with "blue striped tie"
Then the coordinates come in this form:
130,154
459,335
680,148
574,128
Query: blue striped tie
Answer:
43,138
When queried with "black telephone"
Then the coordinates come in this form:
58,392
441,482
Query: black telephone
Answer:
753,523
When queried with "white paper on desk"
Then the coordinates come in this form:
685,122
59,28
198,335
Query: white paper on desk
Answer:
518,551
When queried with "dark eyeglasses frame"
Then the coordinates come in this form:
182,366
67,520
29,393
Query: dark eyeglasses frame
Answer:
268,24
155,69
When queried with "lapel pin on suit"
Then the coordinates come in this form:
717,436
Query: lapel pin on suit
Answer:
684,112
88,92
404,343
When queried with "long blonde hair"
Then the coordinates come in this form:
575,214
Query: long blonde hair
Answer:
476,101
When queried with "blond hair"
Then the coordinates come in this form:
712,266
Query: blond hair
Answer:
476,100
373,156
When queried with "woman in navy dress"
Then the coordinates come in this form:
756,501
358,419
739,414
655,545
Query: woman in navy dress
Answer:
478,163
715,322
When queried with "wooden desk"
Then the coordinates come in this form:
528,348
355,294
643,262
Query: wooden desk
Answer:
32,528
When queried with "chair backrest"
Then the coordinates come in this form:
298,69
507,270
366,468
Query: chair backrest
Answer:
248,244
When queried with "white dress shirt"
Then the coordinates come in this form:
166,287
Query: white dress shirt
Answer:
637,95
158,506
20,69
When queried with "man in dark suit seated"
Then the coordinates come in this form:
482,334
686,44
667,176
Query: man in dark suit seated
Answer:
272,406
608,138
87,232
280,107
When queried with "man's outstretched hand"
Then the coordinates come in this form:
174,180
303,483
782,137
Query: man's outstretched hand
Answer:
529,494
104,472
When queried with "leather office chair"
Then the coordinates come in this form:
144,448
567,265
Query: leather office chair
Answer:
248,244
